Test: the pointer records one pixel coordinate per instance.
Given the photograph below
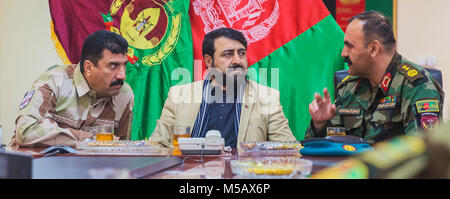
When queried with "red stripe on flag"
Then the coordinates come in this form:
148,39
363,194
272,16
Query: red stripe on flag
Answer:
275,21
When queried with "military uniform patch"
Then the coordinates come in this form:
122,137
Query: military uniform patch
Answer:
429,121
426,106
388,105
26,99
411,73
388,99
349,111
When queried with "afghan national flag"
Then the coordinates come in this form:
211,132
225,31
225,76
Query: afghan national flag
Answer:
159,37
294,46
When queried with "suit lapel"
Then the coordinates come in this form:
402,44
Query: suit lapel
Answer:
247,107
196,102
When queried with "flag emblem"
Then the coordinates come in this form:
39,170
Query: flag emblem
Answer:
244,15
349,147
146,25
425,106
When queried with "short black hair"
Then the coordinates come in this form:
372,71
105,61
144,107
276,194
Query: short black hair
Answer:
208,41
95,43
377,26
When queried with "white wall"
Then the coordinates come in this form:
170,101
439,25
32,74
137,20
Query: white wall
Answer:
423,30
26,50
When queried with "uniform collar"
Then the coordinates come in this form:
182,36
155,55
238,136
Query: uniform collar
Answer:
389,74
80,82
362,88
83,88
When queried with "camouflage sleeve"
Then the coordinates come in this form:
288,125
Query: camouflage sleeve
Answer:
421,107
311,131
335,121
33,124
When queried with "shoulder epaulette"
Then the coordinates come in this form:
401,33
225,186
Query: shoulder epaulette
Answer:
347,79
410,72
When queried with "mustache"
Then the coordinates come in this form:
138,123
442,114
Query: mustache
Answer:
237,66
117,82
347,60
233,68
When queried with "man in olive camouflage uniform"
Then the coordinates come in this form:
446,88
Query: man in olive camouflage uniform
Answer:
67,99
385,95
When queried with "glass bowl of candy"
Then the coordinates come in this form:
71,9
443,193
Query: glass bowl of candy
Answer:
270,148
118,146
271,167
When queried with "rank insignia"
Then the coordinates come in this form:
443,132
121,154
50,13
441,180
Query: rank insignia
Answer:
425,106
346,78
385,82
411,73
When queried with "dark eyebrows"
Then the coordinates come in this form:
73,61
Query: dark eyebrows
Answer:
228,51
347,43
113,63
117,63
232,50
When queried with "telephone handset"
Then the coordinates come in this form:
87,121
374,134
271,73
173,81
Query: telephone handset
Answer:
213,137
211,144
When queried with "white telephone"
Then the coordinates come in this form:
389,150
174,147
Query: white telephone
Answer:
211,144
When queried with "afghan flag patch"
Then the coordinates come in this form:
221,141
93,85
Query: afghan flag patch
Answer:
425,106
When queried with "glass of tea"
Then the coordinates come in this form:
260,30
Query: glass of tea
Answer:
103,132
180,131
335,131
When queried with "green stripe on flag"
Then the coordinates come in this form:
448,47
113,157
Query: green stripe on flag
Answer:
306,65
151,84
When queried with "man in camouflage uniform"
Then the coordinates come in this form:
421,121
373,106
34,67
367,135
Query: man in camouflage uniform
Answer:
385,95
65,100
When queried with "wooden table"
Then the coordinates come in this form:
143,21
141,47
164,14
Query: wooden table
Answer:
212,167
